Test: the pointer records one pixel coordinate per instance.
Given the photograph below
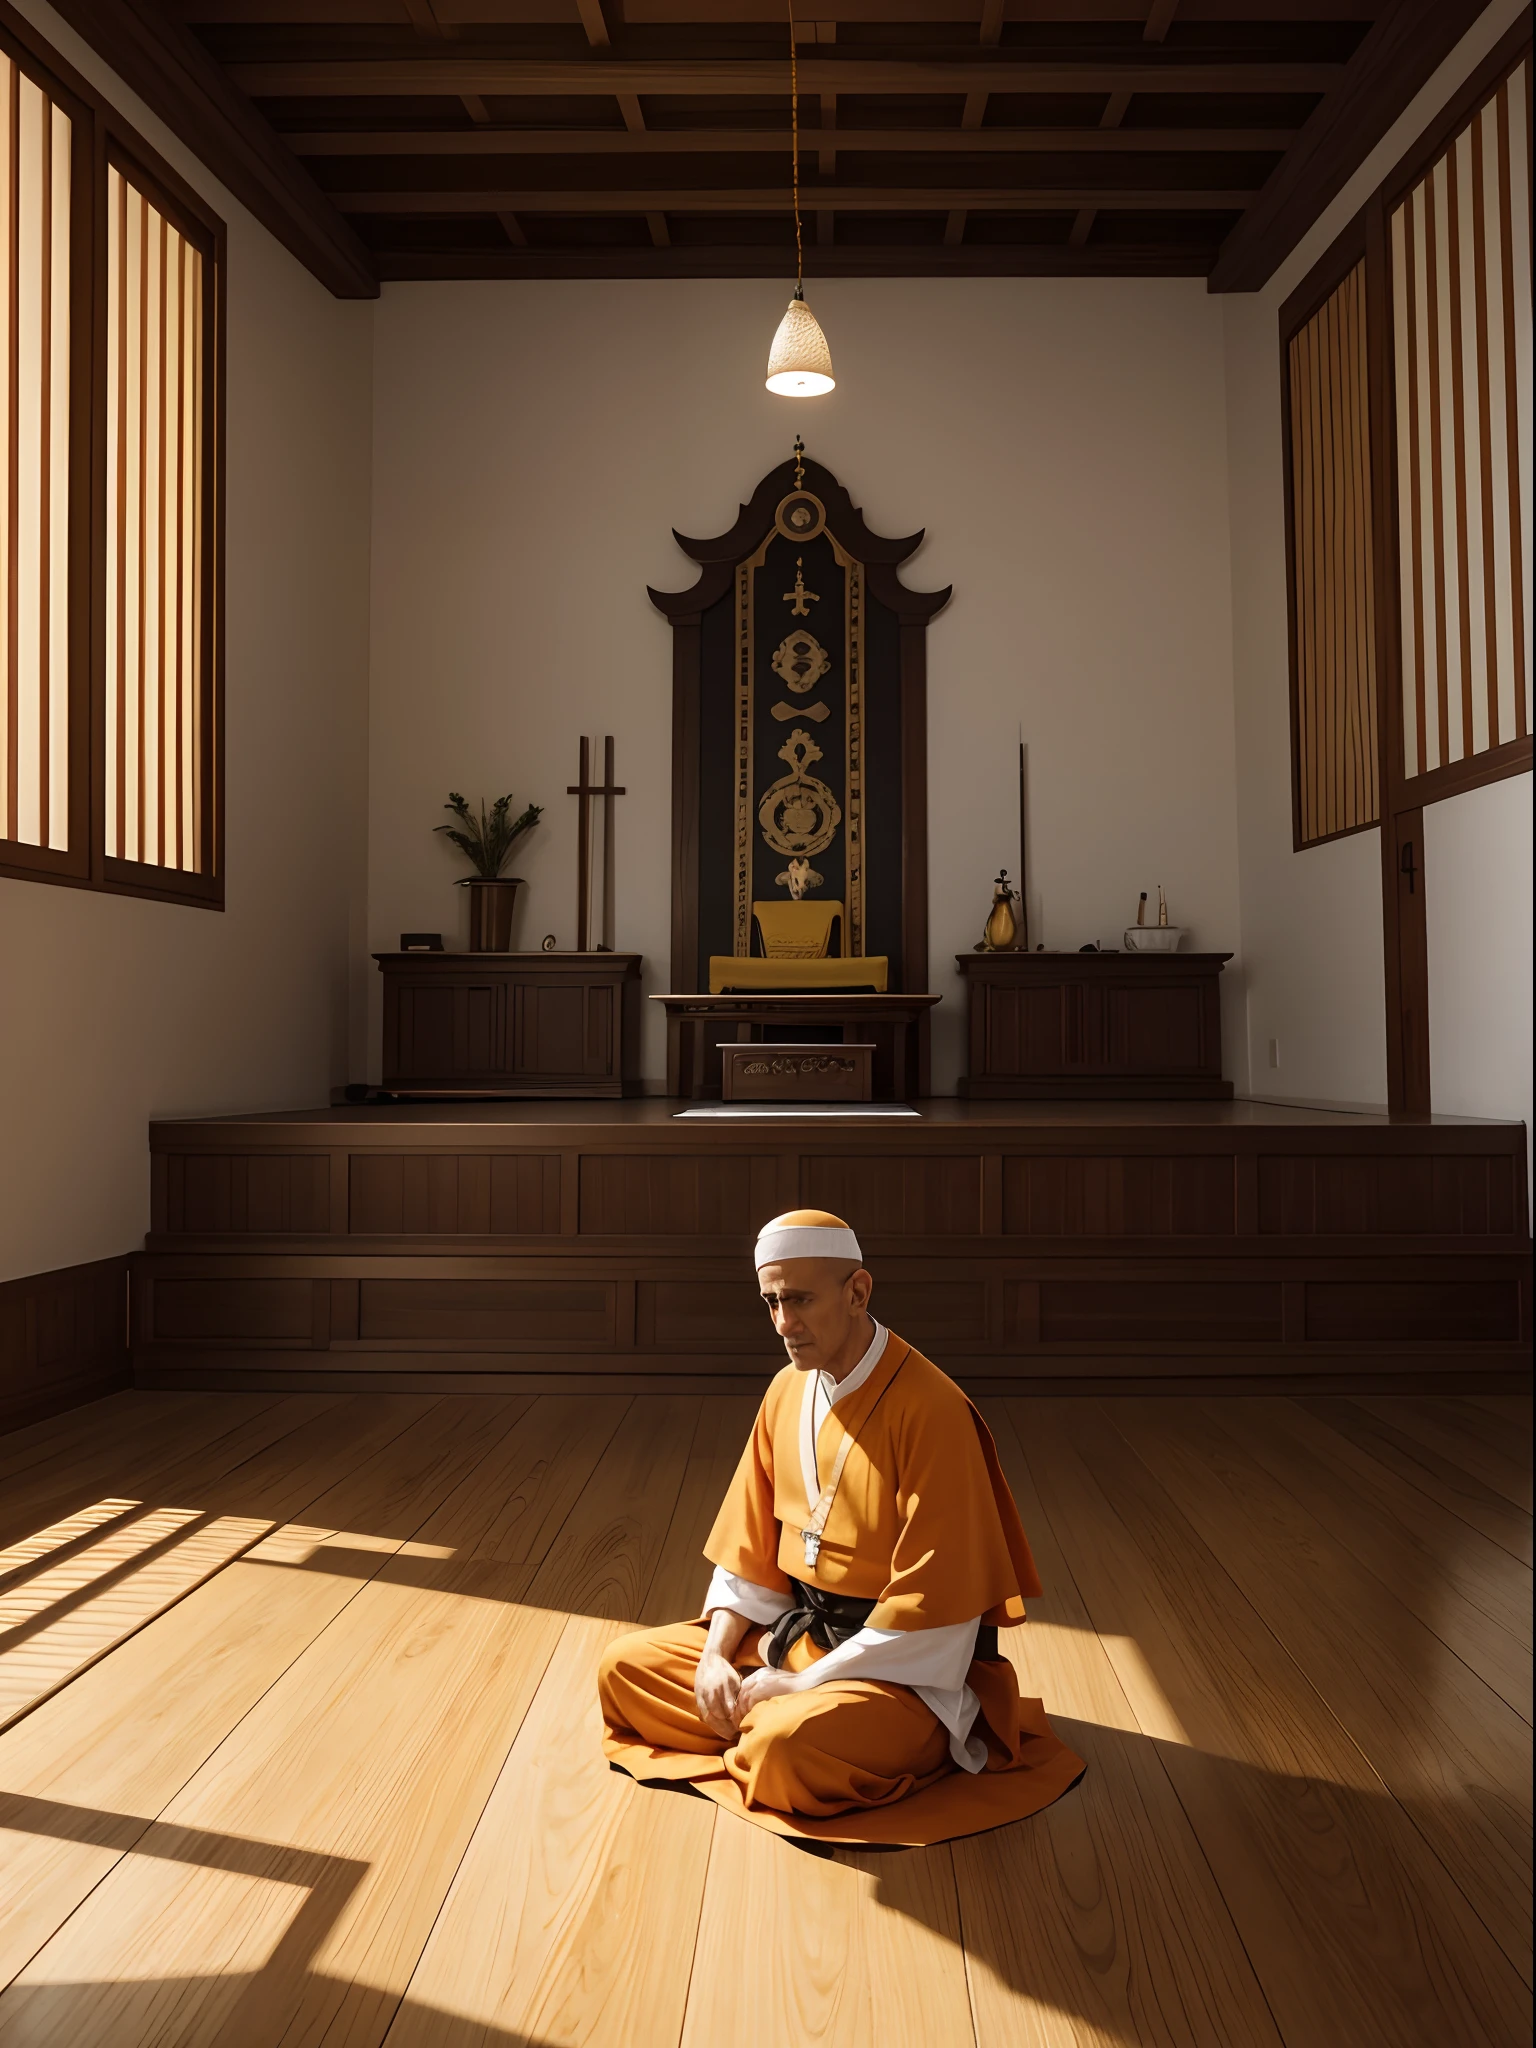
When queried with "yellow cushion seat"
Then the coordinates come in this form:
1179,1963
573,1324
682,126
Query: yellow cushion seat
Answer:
729,974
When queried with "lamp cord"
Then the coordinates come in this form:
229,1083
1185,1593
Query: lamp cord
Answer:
794,132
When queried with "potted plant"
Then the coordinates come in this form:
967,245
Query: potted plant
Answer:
488,841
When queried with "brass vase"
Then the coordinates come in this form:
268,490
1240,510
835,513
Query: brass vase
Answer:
1002,927
491,905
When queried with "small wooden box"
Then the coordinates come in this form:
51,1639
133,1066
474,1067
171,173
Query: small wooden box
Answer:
796,1073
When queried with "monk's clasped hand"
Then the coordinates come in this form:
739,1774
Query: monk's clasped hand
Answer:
715,1689
766,1684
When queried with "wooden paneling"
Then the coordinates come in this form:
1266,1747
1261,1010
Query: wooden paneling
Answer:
495,1312
511,1023
63,1339
897,1196
662,1196
1200,1312
514,1194
268,1194
246,1309
1407,1311
938,1316
1092,1197
1402,1196
706,1315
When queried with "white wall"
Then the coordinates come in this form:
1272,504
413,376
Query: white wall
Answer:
1477,871
1312,928
1063,444
112,1009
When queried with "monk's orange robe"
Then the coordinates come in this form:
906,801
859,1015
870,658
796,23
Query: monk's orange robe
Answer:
924,1525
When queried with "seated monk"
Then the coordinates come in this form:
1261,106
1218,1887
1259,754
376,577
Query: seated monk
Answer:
844,1681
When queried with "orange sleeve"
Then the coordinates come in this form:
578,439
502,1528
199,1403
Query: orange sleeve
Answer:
961,1549
745,1538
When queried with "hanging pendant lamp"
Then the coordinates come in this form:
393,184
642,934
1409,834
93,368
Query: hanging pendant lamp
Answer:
799,362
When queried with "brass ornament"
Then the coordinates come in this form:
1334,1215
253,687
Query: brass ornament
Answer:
800,599
800,516
800,661
781,711
799,814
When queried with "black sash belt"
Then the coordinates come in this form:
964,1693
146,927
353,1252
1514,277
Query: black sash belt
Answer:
829,1619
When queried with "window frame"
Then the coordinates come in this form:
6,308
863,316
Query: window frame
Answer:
102,138
1366,236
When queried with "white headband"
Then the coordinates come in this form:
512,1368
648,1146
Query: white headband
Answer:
805,1241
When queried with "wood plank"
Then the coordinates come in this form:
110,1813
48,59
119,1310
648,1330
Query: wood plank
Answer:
1483,1507
1474,1595
1454,1754
852,1949
736,199
682,1571
603,1560
376,1750
1352,1925
1126,1936
540,78
501,141
86,1773
74,1433
573,1915
1480,1444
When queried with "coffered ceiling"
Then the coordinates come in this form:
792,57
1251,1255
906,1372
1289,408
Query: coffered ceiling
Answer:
651,138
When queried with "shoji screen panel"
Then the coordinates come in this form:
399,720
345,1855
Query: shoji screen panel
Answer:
36,144
1460,245
1333,653
157,682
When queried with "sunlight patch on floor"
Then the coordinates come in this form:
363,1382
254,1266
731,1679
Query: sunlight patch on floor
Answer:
58,1534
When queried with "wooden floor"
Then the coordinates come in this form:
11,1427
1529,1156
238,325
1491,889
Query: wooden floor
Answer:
300,1745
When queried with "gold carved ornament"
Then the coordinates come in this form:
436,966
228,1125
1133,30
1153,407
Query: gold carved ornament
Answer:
800,661
799,814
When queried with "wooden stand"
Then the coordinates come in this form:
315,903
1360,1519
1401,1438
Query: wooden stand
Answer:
896,1025
511,1024
1115,1026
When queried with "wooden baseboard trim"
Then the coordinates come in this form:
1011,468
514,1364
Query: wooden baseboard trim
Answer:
63,1340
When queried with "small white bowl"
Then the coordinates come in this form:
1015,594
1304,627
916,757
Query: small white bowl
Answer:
1153,938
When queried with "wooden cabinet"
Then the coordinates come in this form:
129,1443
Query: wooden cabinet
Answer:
1075,1025
511,1024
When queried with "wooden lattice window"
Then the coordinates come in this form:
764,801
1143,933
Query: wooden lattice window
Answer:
1330,541
36,180
159,701
1460,243
111,392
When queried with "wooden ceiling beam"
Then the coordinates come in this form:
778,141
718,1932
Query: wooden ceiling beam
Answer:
173,74
645,14
1395,58
459,71
819,199
493,141
927,260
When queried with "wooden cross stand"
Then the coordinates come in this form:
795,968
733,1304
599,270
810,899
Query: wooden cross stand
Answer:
585,789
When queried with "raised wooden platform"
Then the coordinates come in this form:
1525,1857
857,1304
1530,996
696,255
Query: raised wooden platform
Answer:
592,1246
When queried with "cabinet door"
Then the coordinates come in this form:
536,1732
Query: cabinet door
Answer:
1024,1033
451,1031
566,1028
1159,1030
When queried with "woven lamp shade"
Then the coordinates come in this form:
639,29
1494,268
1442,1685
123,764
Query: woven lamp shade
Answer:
799,362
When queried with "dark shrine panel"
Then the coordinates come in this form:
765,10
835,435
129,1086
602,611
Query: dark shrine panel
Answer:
704,1315
1132,1197
1184,1311
624,1195
563,1029
249,1310
1455,1195
896,1196
1405,1311
1025,1032
430,1043
498,1312
268,1194
478,1193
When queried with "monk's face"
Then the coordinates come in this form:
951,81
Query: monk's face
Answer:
819,1309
